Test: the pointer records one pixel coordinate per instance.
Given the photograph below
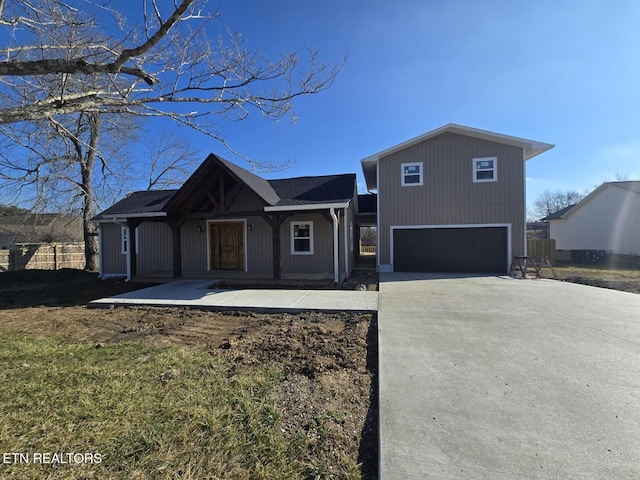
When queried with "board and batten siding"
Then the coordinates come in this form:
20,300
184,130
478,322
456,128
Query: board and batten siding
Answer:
155,248
155,243
113,261
322,259
449,196
194,246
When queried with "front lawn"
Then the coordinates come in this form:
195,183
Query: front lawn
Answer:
144,412
151,393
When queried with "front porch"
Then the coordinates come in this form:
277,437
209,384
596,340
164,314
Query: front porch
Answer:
236,277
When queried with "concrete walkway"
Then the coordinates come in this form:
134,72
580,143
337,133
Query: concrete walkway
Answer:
498,378
198,294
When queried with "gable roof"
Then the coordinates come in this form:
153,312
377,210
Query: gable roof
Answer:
293,192
531,148
630,186
207,169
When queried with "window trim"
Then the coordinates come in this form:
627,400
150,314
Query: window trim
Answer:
124,239
420,174
293,237
494,169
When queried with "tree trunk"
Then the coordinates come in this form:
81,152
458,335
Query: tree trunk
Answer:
88,208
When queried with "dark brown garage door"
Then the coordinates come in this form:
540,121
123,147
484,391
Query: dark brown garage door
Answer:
459,250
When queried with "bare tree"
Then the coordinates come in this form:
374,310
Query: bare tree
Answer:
165,67
171,161
549,202
68,82
368,236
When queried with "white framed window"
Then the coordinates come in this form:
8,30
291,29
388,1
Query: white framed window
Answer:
301,238
124,240
412,174
485,169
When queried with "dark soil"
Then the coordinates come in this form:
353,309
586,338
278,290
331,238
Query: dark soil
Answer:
330,360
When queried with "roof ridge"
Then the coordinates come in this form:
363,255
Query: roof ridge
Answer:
311,176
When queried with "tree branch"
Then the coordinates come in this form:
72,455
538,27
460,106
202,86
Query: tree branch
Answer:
60,65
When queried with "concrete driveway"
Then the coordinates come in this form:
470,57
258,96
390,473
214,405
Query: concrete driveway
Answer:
498,378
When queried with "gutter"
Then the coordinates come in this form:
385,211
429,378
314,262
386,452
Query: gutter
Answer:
307,206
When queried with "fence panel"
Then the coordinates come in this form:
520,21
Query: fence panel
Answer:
542,247
53,256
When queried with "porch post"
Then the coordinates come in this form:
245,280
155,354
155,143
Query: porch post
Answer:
336,247
177,249
276,222
275,236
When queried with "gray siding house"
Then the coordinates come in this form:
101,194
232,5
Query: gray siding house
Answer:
226,219
451,200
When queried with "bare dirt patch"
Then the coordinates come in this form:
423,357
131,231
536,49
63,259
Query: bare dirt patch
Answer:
330,359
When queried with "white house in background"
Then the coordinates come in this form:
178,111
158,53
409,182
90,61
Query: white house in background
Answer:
606,219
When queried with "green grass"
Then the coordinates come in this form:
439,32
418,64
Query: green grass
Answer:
148,412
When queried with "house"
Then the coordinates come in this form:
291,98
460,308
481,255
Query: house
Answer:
451,200
227,219
608,219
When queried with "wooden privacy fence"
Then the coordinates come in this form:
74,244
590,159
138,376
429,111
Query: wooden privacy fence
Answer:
542,247
52,256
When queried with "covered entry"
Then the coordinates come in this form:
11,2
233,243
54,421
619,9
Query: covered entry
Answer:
226,245
478,249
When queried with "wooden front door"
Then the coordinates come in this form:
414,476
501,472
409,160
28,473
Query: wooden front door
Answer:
226,245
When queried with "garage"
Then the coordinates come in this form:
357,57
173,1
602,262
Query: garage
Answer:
451,249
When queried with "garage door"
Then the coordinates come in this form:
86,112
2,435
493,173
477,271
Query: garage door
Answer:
459,250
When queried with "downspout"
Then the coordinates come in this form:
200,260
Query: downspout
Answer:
336,260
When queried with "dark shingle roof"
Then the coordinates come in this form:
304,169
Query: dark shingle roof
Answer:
254,182
283,192
557,215
149,201
368,203
311,190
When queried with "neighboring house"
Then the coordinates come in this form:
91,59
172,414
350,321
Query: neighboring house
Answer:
607,219
225,218
31,229
451,200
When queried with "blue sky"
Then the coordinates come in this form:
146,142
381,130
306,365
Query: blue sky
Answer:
561,72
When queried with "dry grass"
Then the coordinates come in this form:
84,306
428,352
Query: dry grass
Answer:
176,393
599,275
147,412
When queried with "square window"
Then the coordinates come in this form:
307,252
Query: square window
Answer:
485,169
412,174
301,238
